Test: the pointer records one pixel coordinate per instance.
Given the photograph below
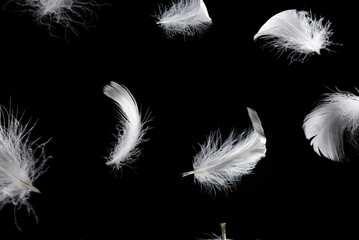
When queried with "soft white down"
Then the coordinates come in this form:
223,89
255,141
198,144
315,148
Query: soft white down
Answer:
67,14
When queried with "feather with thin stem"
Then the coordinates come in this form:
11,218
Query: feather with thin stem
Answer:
218,166
21,162
297,32
186,17
131,132
325,125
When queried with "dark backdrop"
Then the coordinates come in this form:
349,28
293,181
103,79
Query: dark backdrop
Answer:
191,87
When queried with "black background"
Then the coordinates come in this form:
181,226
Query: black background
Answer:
191,87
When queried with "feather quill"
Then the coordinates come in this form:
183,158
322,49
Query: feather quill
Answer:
19,167
296,32
326,124
186,17
131,131
222,237
217,167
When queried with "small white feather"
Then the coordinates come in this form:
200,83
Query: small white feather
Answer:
218,166
19,167
296,32
66,13
186,17
131,131
326,124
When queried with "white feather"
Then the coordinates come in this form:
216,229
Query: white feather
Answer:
326,124
19,167
217,167
131,130
66,13
297,32
186,17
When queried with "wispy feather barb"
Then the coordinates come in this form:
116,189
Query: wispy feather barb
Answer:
186,17
326,124
218,166
66,13
131,131
297,32
19,167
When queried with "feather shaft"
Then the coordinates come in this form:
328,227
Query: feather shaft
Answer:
26,184
223,229
187,173
223,234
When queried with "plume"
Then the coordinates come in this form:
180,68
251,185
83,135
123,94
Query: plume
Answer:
186,17
297,32
337,113
218,166
19,167
131,131
66,13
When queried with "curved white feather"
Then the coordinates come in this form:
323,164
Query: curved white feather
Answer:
326,124
218,166
185,17
296,32
132,132
19,167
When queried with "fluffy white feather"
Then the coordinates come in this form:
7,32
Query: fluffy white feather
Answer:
186,17
326,124
19,167
296,32
131,131
66,13
217,166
